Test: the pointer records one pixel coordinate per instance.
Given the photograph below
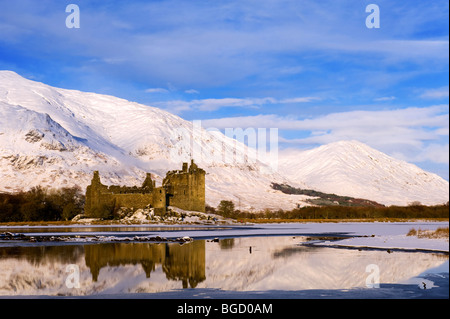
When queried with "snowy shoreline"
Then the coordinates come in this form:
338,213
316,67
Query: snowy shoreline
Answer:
364,235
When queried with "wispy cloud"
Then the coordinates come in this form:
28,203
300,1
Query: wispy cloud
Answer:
157,90
299,99
272,57
385,98
432,116
438,93
435,153
210,105
407,131
191,91
183,41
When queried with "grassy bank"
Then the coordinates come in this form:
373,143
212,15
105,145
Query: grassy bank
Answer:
441,232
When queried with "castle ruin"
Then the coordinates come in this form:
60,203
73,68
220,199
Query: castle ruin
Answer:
183,188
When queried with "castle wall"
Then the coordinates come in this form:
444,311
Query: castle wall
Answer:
184,189
198,192
178,188
96,197
132,200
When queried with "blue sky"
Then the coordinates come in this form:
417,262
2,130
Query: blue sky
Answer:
310,68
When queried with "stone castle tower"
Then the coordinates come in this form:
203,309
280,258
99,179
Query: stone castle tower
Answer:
184,189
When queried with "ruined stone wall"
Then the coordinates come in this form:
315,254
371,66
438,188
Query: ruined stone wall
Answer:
156,199
95,195
184,189
99,196
159,198
131,200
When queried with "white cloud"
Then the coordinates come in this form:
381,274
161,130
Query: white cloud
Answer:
156,90
179,106
385,98
415,132
221,44
436,115
300,99
191,91
436,153
439,93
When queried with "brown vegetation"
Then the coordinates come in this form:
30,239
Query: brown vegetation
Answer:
441,232
324,199
336,213
41,204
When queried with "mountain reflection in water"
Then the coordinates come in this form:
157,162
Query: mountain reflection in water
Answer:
234,264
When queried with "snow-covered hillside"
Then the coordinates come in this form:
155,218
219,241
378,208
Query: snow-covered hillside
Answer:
351,168
57,137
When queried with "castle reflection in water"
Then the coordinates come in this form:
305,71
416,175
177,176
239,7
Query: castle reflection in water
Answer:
179,262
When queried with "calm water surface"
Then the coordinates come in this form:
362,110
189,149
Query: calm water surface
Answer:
236,264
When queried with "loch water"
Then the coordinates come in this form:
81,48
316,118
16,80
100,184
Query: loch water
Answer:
240,264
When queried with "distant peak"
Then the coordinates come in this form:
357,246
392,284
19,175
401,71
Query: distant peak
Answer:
7,74
346,144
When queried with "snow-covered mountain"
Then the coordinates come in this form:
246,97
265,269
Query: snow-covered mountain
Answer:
57,137
351,168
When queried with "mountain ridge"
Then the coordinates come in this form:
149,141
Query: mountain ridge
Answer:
352,168
58,137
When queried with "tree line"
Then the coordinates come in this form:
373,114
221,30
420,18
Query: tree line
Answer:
42,204
227,209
